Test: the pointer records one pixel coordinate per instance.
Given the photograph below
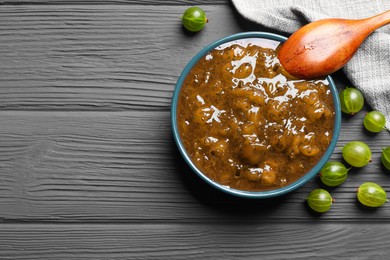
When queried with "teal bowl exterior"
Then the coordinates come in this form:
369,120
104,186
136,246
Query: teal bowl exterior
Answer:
242,193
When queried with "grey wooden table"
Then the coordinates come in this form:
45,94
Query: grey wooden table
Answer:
88,166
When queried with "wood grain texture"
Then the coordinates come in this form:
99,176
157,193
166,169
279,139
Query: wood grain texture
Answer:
124,2
124,167
98,57
239,241
88,166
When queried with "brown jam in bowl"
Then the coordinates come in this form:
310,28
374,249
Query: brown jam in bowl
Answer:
246,124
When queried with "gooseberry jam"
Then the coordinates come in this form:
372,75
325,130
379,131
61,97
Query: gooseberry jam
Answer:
246,123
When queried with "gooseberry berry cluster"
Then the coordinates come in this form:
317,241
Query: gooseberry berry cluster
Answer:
356,154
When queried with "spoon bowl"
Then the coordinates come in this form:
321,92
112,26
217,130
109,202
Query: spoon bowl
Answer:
324,46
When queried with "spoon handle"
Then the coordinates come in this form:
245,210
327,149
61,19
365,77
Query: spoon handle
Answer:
361,29
372,23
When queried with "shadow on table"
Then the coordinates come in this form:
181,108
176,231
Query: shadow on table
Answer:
247,25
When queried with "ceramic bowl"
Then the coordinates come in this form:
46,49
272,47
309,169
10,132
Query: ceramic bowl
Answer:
243,193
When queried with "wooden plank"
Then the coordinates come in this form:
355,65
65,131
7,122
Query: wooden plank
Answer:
124,167
159,241
59,166
124,2
100,57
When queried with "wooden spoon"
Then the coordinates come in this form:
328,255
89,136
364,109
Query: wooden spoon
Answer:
324,46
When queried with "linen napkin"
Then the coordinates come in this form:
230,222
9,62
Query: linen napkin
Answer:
368,70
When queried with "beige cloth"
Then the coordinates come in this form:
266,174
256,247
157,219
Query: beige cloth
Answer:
368,70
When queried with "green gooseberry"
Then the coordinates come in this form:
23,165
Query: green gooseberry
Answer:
374,121
319,200
351,100
385,158
333,174
356,153
194,19
371,194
